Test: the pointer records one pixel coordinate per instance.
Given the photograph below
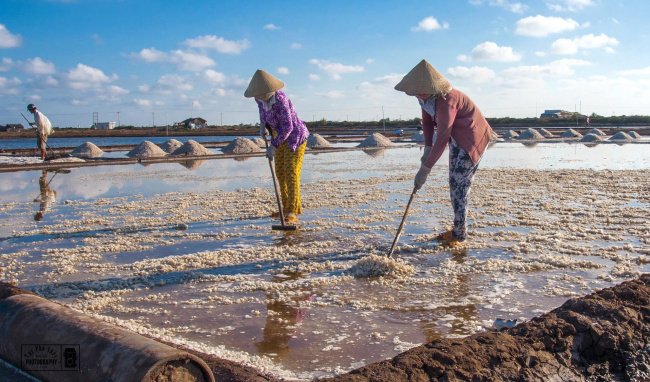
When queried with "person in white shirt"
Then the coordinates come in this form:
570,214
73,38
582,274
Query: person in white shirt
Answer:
43,128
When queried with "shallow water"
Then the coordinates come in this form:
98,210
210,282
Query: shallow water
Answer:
547,223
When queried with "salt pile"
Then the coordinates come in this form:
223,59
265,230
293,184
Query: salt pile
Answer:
374,265
634,135
596,132
590,137
418,137
241,145
620,136
531,134
545,133
87,150
171,145
511,134
376,140
315,141
570,133
192,148
259,142
146,149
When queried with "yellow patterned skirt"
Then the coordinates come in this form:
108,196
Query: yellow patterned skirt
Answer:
288,165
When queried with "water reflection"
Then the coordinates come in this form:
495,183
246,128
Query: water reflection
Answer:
47,195
282,320
374,152
193,164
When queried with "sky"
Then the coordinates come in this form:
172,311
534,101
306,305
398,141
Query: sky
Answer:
157,62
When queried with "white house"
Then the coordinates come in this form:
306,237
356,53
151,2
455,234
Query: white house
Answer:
105,125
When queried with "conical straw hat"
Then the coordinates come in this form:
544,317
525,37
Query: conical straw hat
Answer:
424,79
262,83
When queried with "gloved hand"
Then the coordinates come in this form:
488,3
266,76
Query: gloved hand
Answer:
270,152
425,155
421,177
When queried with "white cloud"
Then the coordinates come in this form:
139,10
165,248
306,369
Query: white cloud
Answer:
219,44
490,51
6,64
559,68
8,40
569,5
51,81
142,102
334,94
370,60
474,74
213,76
296,46
541,26
514,7
34,97
85,77
429,24
636,72
314,77
183,60
335,69
98,40
271,27
380,86
282,70
173,83
590,41
8,86
116,90
38,66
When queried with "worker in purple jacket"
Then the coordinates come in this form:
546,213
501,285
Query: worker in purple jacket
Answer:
288,137
461,126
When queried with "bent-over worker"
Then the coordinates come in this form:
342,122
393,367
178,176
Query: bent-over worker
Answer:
43,129
459,124
288,137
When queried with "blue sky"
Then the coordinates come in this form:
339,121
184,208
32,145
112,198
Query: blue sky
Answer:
158,61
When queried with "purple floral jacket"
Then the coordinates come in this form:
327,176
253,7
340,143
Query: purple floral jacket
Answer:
283,119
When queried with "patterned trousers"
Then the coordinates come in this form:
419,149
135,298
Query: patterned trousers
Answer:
288,165
461,174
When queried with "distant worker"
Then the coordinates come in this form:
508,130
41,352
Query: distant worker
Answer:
288,138
587,124
459,124
43,129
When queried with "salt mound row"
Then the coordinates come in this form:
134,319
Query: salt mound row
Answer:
374,265
376,140
545,133
531,134
596,132
511,134
418,137
171,145
241,145
146,149
590,137
87,150
192,148
620,136
315,141
634,135
570,133
259,142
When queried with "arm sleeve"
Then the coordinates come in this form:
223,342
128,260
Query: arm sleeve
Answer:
446,115
428,127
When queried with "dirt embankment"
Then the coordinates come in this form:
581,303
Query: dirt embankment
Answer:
600,337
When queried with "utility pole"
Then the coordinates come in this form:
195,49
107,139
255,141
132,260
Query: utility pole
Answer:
383,118
166,123
221,123
153,119
118,119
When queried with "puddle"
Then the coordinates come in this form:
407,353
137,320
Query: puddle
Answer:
188,255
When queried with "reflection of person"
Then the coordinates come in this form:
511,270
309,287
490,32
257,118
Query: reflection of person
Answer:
43,128
459,124
46,197
288,137
281,321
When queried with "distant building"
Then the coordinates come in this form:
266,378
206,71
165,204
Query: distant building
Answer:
104,125
559,114
12,127
194,123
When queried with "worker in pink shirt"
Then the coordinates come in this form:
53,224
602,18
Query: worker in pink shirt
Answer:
459,124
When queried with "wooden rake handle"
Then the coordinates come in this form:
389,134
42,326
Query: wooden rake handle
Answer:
401,226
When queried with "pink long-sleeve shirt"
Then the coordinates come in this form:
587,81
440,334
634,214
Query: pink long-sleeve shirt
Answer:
457,117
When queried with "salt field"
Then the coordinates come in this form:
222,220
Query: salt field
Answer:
186,253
